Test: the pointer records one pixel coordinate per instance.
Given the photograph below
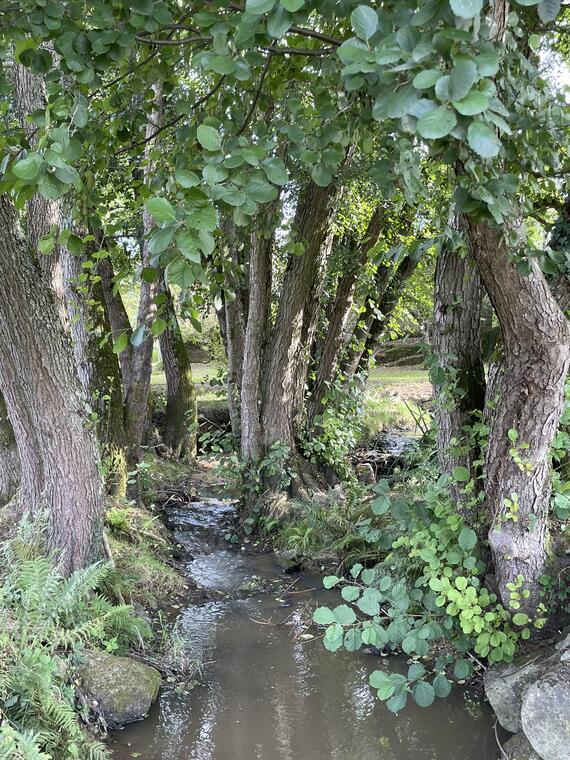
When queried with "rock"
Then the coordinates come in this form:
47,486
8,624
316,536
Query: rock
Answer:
365,473
287,561
119,688
545,714
505,686
518,747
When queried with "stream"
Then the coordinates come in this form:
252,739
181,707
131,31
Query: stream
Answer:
265,692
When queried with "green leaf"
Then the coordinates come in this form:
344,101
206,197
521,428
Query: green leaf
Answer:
120,343
46,244
548,10
409,644
158,327
161,210
441,686
398,702
423,694
160,239
321,175
352,640
330,580
259,189
28,168
467,539
462,669
186,178
323,616
426,79
344,615
369,602
279,22
180,273
473,104
204,217
275,170
466,8
209,138
292,5
483,140
415,671
437,123
138,336
259,7
350,593
188,246
521,618
380,505
382,682
364,22
462,78
461,474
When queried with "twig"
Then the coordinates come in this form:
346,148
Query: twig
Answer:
500,746
257,96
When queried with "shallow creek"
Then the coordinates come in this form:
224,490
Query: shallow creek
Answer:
267,693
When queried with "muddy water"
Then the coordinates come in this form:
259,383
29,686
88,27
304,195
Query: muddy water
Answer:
267,693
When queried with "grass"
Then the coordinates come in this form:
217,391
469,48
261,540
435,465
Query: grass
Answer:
398,375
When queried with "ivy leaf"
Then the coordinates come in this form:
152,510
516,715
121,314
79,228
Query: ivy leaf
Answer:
466,8
160,210
423,694
209,138
437,123
467,539
364,22
548,10
483,140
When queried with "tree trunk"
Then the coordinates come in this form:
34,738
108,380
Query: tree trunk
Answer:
98,369
255,344
286,356
181,415
327,361
46,406
536,339
119,321
9,461
137,377
459,378
42,214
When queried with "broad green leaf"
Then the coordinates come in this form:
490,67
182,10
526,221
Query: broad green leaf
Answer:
352,640
548,10
259,189
475,103
344,615
160,239
120,343
332,643
398,702
520,618
369,602
188,246
161,210
221,64
209,138
437,123
28,168
46,244
186,178
275,170
483,140
330,580
461,474
415,671
364,22
423,694
259,7
426,79
180,273
380,505
158,327
204,217
378,679
467,539
462,669
527,3
441,686
292,5
350,593
323,616
279,22
321,175
462,78
466,8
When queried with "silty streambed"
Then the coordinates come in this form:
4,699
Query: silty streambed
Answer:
267,693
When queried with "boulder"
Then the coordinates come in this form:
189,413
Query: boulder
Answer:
287,561
518,747
365,473
120,689
505,686
545,714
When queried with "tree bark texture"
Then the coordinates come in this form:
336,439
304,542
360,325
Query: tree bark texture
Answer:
46,406
536,339
119,321
181,414
42,214
292,334
137,379
9,460
456,343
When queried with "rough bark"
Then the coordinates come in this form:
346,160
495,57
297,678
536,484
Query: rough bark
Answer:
536,339
259,303
119,321
98,368
181,414
456,343
327,361
137,379
9,461
42,214
46,406
288,349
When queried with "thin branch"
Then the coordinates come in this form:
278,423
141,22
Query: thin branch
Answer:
174,121
256,98
298,51
185,41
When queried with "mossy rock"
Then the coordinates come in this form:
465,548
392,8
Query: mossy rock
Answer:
120,689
